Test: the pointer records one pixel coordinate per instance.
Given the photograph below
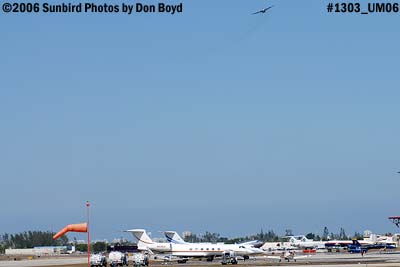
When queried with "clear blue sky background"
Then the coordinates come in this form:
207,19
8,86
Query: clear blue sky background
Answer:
211,120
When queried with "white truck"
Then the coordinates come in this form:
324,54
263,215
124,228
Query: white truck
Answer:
98,260
116,258
229,257
140,259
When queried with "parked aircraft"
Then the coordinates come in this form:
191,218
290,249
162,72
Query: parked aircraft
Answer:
274,246
249,247
287,256
344,243
174,237
356,247
301,241
187,250
381,239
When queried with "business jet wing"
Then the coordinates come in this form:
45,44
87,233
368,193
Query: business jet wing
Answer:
338,243
300,257
149,251
252,242
275,257
170,259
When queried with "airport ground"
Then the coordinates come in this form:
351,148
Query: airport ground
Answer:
371,259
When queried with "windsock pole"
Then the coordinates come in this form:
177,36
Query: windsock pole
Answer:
88,233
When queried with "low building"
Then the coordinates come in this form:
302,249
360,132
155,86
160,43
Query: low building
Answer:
41,251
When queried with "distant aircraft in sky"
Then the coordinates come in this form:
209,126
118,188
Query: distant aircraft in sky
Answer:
263,10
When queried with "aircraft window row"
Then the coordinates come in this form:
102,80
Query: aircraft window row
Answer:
203,249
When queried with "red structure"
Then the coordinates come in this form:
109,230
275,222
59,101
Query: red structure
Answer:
88,233
395,220
80,228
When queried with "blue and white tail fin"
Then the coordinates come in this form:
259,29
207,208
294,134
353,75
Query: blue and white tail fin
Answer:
173,237
141,238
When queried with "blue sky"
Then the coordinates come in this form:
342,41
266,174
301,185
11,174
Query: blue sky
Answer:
210,120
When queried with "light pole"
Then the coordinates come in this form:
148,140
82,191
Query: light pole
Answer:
88,232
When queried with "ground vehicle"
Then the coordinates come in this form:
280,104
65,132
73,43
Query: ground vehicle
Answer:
97,260
140,259
229,257
116,258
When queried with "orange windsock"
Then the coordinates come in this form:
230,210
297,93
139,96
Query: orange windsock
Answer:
80,227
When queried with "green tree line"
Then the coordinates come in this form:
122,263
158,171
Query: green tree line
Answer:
271,236
30,239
